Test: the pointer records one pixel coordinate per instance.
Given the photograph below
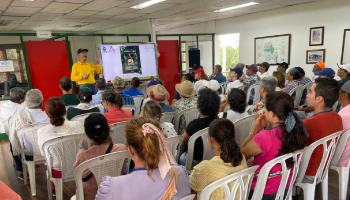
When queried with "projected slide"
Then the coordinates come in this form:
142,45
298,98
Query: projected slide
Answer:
130,56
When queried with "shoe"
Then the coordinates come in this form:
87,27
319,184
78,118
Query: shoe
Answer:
20,175
54,193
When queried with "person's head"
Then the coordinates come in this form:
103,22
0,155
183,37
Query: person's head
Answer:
279,108
323,93
281,80
301,70
34,99
237,100
199,74
217,69
251,69
96,128
66,84
267,85
154,81
158,93
344,70
318,66
288,76
82,54
17,95
236,73
208,102
135,82
222,138
240,65
264,67
185,89
326,73
101,84
111,99
212,84
344,94
118,83
282,67
295,74
152,110
55,109
188,77
85,93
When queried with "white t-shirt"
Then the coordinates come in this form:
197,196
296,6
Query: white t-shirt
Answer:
266,74
234,84
7,110
233,115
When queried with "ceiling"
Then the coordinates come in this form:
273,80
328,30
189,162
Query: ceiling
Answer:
96,15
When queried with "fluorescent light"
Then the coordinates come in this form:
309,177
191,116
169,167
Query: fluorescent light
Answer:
236,7
146,4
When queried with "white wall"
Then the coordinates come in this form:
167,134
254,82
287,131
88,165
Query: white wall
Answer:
86,42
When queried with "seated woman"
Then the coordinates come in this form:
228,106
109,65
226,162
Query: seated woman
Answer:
84,96
97,130
281,80
113,103
228,159
156,172
153,110
176,96
236,99
287,135
159,94
208,105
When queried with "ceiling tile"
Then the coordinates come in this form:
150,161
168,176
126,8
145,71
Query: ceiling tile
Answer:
116,11
156,7
132,3
4,4
20,11
21,19
34,23
128,16
94,18
74,1
55,7
81,13
32,4
44,16
102,5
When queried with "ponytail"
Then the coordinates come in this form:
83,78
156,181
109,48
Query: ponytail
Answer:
231,152
151,152
113,98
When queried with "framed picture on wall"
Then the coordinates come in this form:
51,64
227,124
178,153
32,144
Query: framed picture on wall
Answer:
345,54
316,36
313,56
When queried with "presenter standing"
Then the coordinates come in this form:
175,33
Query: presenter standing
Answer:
83,71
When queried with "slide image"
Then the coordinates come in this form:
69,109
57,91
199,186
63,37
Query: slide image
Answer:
130,56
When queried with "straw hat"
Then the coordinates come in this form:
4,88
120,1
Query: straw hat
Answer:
185,89
158,93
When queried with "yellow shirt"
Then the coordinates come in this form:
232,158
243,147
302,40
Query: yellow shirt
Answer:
80,69
209,171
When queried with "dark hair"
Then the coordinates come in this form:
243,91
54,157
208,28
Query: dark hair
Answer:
281,80
85,97
301,70
237,100
152,109
328,89
281,104
223,132
219,68
208,102
99,135
17,94
66,84
135,82
112,97
189,77
55,109
101,84
295,74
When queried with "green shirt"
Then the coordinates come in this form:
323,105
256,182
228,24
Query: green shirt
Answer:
284,73
72,112
70,99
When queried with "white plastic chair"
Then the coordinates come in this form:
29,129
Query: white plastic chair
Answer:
168,117
240,185
132,108
67,148
117,132
81,118
100,107
243,126
174,144
208,153
224,87
322,171
256,88
286,175
31,132
189,197
298,94
189,114
342,171
308,87
137,101
106,165
241,87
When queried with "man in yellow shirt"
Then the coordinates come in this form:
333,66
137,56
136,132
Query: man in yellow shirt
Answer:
83,71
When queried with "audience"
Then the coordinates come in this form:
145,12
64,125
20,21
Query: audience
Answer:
101,87
281,80
156,174
217,75
153,110
97,130
200,76
133,91
186,77
159,94
214,85
282,67
263,68
85,97
241,66
303,81
287,135
317,68
326,73
66,87
113,102
208,104
344,72
323,94
294,76
235,74
227,159
119,85
154,81
236,100
252,79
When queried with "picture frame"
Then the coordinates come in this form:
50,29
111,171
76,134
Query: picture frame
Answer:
345,54
316,37
313,56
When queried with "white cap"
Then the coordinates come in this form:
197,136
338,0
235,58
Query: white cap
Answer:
212,84
345,66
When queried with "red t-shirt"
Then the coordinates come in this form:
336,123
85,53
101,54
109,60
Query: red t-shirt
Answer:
116,115
320,126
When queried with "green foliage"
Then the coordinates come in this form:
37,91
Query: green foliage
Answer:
232,56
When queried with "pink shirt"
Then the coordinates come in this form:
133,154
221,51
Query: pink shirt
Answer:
345,116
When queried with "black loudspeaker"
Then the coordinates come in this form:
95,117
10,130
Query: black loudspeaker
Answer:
194,58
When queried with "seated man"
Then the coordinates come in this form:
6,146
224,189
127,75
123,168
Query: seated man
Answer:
119,86
66,87
293,77
133,91
323,94
263,68
217,75
317,68
282,67
101,87
252,79
235,74
303,81
159,94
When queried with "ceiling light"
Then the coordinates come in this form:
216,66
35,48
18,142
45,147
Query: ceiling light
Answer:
146,4
236,7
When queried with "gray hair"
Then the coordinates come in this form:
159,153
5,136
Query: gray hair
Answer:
240,65
269,83
219,68
17,94
34,99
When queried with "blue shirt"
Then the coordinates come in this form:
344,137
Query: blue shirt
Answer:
176,95
166,108
133,92
127,100
219,77
97,98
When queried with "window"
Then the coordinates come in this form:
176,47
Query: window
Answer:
229,51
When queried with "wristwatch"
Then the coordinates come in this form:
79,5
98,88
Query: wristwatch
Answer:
250,133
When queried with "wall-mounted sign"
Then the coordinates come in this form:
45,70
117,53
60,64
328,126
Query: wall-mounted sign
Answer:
6,66
43,34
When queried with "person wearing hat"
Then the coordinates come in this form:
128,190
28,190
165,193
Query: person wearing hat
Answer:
252,79
83,71
317,68
235,74
344,71
176,96
326,73
188,100
97,130
85,97
282,67
159,94
303,81
217,75
119,86
200,76
214,85
263,68
154,81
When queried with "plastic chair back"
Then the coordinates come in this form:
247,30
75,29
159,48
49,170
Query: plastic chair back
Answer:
224,87
138,100
308,87
168,117
106,165
100,107
132,108
243,126
189,197
189,114
340,148
174,144
298,94
241,87
239,185
117,132
256,88
81,118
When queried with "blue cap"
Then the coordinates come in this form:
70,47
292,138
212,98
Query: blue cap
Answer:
317,73
329,72
237,70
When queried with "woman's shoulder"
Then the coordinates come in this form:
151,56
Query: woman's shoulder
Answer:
118,147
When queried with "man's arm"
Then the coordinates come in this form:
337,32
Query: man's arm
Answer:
98,68
75,76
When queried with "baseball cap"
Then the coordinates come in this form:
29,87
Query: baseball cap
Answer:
252,67
154,81
329,72
238,71
321,64
346,86
345,66
283,64
95,125
264,64
343,81
86,88
212,84
118,82
81,50
199,71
